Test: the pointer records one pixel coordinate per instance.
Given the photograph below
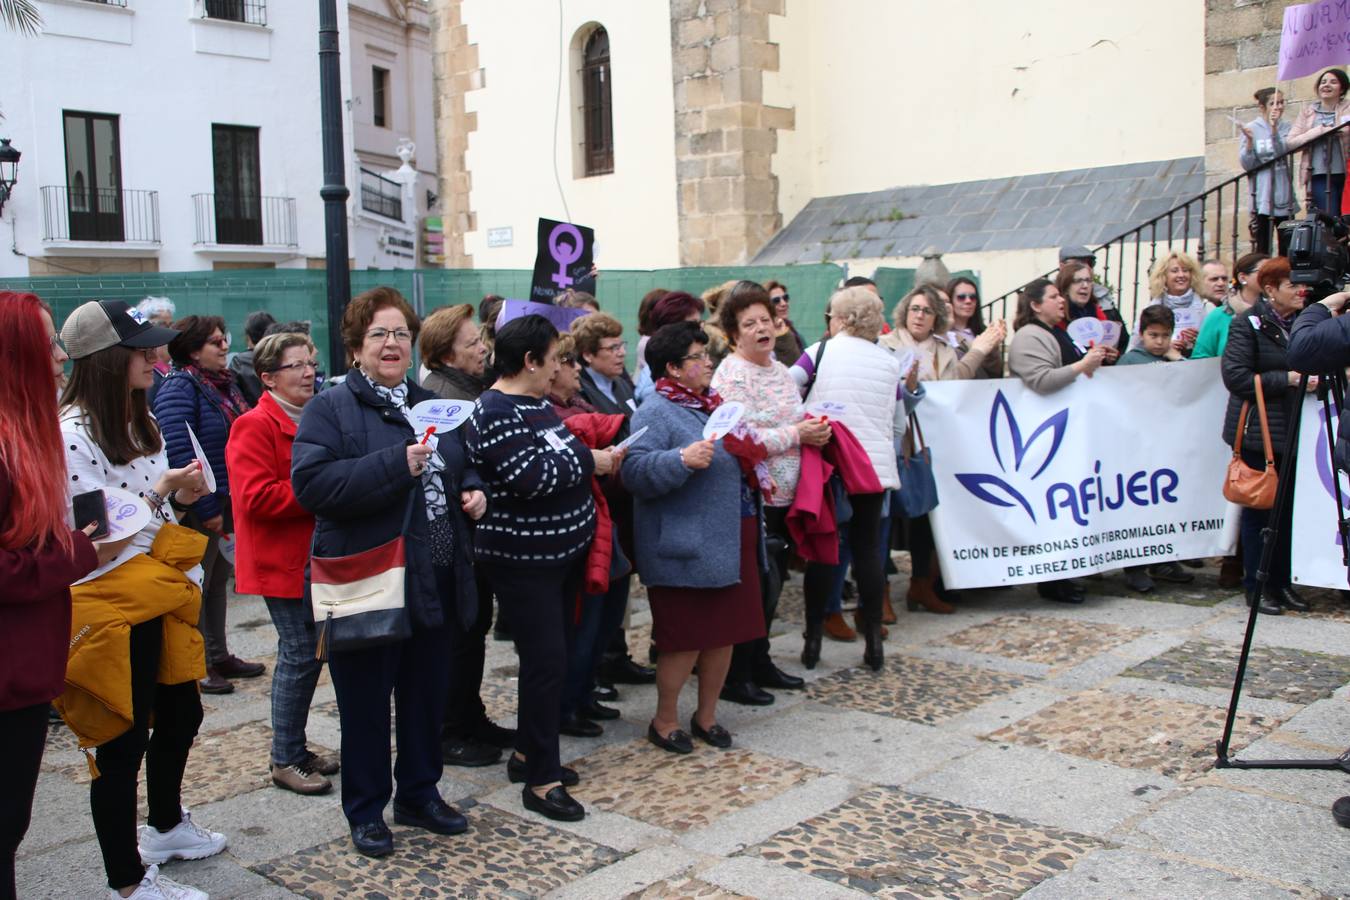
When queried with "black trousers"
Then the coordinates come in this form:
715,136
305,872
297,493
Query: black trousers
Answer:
464,710
864,536
539,603
177,713
417,673
25,735
751,658
1262,228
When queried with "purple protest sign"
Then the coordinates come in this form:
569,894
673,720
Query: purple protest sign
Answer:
1314,36
561,317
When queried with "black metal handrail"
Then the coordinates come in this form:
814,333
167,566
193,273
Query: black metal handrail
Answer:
245,220
252,12
380,195
111,215
1194,224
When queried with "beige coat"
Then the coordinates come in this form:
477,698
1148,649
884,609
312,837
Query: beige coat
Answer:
1034,357
938,354
1305,130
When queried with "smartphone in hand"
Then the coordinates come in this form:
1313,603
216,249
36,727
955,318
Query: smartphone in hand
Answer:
91,507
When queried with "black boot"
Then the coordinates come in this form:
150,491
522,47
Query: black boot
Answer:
1291,599
811,646
1270,605
874,654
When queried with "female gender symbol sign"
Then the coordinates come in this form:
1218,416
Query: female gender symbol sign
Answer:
566,254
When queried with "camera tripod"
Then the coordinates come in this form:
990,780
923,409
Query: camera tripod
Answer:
1331,392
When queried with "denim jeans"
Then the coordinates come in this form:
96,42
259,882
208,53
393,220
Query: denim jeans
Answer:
601,614
1326,192
293,677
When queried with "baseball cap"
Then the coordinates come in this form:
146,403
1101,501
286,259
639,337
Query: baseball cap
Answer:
1075,251
100,324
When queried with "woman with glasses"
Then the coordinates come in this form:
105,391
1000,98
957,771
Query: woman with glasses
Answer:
698,514
272,537
602,350
967,324
455,355
787,342
202,393
360,466
1075,283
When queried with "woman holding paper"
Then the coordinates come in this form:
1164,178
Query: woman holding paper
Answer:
774,410
967,324
1074,283
40,556
1046,359
533,543
135,653
697,522
1172,283
358,465
1322,168
196,406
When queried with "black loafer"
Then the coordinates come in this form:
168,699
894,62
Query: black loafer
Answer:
556,804
678,742
746,693
469,753
373,839
626,671
605,692
594,710
489,732
515,772
575,726
1270,603
435,816
774,677
1291,599
717,736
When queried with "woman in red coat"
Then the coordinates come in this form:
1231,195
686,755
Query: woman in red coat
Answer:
272,538
40,556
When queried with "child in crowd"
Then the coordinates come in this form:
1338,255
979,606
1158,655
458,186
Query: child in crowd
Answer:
1156,324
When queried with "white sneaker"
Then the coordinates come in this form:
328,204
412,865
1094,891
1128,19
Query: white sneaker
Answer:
156,887
184,841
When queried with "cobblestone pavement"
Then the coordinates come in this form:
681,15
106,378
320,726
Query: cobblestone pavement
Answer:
1017,748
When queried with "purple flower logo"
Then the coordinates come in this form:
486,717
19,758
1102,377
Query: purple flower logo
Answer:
1032,455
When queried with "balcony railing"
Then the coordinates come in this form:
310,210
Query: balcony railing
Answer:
381,195
1214,225
99,214
252,220
252,12
121,3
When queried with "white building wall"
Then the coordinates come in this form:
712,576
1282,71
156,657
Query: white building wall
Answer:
512,153
168,74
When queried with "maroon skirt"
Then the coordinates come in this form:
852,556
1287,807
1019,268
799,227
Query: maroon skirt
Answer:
707,618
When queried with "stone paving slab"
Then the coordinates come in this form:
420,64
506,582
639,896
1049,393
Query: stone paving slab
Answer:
1127,873
1247,833
1052,641
894,844
1275,673
919,690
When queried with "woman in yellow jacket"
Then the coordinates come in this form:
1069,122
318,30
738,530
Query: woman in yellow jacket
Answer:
135,652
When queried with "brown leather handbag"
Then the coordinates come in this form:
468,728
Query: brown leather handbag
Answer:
1244,485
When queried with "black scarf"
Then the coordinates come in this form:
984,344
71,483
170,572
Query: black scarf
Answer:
1068,351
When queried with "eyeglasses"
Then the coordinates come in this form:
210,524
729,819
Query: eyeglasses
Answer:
402,335
700,357
300,366
921,310
967,296
567,359
1082,279
56,345
620,347
222,343
151,354
783,298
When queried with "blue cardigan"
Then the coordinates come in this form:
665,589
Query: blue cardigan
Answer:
686,523
181,401
349,468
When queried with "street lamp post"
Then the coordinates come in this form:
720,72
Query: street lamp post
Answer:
334,190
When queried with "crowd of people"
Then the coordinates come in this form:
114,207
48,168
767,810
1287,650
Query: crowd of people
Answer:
392,554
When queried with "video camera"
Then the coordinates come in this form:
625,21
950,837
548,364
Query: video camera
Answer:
1317,253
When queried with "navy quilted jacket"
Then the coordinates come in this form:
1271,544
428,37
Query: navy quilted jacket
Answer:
182,400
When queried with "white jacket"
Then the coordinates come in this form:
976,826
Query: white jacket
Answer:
866,379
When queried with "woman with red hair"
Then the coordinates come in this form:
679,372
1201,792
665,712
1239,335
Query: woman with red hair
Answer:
39,558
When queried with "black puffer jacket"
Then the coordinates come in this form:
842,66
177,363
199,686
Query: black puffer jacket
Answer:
1251,351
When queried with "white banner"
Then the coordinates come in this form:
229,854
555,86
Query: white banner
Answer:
1315,557
1125,468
